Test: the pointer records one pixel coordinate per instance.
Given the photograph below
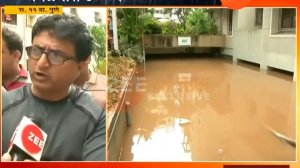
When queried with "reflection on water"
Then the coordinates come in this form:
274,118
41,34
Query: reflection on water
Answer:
210,110
169,136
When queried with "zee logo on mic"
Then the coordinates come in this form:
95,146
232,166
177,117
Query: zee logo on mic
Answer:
30,138
33,139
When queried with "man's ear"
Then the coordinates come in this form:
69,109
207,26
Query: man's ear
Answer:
84,64
89,60
17,55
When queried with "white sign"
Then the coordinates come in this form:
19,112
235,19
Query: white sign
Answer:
184,41
184,77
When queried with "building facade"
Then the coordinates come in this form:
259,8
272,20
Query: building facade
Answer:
264,36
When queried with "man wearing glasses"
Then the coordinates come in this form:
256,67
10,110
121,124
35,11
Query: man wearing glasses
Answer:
72,119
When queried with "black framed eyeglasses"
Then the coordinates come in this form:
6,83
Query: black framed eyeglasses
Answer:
54,57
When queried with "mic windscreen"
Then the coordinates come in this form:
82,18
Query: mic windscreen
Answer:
35,119
28,140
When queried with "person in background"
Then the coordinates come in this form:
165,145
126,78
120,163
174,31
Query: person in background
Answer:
13,73
5,99
93,82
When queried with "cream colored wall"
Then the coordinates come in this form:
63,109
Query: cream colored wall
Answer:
258,44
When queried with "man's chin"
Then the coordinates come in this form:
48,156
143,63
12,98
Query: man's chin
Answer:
42,87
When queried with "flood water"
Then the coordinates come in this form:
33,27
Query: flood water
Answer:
208,109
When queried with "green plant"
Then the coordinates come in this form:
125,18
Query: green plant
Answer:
171,27
154,27
200,21
132,24
102,66
99,54
181,14
133,53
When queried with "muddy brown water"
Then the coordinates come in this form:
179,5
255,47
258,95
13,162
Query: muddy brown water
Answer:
209,109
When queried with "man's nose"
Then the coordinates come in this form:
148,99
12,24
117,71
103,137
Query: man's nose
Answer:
43,61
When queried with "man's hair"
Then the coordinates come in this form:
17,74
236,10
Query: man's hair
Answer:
67,27
12,40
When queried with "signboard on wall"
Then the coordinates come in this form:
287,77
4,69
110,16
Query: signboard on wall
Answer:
184,41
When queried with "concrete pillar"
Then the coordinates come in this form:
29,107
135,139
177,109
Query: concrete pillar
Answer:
115,28
295,69
234,29
266,29
263,66
234,59
21,30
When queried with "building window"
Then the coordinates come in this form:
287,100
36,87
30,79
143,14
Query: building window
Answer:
259,17
230,16
97,17
287,20
283,21
73,11
9,18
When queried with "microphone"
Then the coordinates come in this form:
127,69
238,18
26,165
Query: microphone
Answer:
28,140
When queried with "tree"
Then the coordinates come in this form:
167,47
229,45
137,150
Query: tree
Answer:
181,14
201,22
132,24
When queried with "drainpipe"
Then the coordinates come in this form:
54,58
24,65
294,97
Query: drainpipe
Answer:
115,28
221,21
21,30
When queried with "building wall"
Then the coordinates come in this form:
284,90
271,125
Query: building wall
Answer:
279,49
259,44
221,18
